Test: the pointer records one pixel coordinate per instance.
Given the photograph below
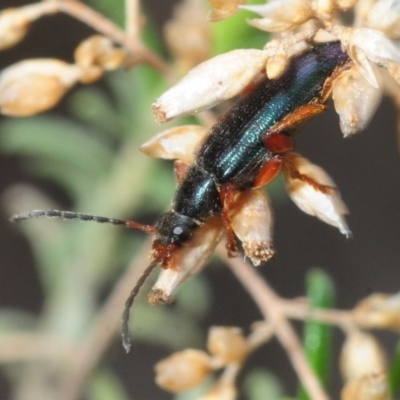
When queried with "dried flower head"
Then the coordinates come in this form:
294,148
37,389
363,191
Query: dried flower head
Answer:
99,51
280,15
188,34
221,391
379,311
15,22
187,261
355,101
33,86
314,192
210,83
183,370
369,387
222,9
361,355
252,223
177,143
227,344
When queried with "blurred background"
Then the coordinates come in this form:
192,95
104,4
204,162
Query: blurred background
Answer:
83,156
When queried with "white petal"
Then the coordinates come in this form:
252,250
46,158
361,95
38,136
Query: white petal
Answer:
280,15
385,17
355,101
210,83
178,143
376,45
252,223
270,25
187,261
327,206
264,10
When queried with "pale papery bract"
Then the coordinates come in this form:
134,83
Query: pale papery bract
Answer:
355,100
369,387
187,261
210,83
361,355
326,204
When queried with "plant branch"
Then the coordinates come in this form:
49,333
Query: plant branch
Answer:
295,309
270,306
139,52
132,20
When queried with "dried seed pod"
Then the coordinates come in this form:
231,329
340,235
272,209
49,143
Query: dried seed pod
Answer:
221,391
210,83
384,16
314,192
252,223
187,261
367,45
15,22
222,9
380,311
277,65
183,370
356,100
32,86
99,51
361,355
227,343
280,15
177,143
188,34
369,387
324,9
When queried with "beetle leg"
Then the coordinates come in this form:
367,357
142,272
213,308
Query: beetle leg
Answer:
289,165
268,172
180,170
227,195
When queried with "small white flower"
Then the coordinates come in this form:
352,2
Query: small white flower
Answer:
356,101
367,45
252,223
384,16
227,343
183,370
280,15
210,83
33,86
187,261
323,204
15,22
177,143
361,355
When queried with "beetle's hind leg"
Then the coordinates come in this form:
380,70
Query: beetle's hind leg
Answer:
289,161
227,196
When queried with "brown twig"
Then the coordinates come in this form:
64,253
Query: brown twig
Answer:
139,52
299,310
269,304
132,20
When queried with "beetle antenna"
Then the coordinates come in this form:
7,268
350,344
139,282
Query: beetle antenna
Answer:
68,215
126,340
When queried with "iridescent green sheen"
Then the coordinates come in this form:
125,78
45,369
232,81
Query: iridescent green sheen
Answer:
234,151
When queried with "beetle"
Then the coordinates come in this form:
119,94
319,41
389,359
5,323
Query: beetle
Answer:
244,150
